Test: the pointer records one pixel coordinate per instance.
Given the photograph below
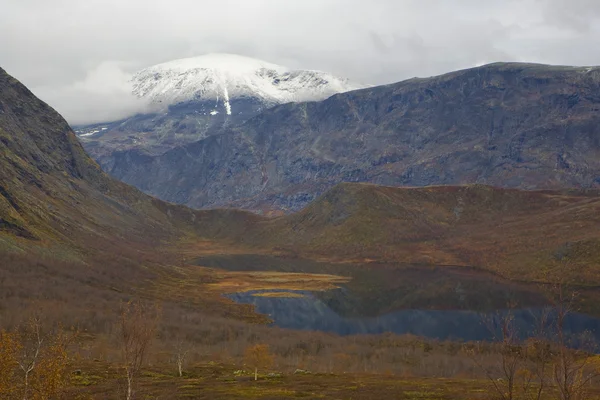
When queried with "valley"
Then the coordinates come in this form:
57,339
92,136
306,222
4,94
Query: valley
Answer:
368,289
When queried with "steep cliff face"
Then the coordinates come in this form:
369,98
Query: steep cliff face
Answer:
513,125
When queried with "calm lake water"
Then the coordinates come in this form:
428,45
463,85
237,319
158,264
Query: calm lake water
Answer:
311,313
440,302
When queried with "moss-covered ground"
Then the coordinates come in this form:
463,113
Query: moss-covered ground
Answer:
217,381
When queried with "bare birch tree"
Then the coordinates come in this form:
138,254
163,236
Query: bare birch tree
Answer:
138,322
181,352
30,352
503,330
538,352
571,372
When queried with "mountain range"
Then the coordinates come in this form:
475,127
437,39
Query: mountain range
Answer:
65,225
188,99
513,125
78,248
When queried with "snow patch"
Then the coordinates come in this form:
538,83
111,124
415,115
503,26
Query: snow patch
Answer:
91,132
228,76
226,102
214,112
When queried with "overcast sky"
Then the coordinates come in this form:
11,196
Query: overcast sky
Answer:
77,54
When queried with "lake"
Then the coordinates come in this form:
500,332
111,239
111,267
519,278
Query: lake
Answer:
441,302
311,313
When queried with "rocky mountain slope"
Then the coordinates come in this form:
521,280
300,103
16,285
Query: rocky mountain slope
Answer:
193,97
54,195
512,125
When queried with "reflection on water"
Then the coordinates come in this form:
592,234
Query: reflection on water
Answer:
376,289
441,302
310,313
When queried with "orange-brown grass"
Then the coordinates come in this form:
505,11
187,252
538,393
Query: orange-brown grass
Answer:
278,294
229,282
205,287
220,381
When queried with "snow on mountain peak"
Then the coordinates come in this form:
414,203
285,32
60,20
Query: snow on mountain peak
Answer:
224,77
232,63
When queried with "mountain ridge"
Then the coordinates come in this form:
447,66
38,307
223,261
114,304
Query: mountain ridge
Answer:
190,99
517,234
528,126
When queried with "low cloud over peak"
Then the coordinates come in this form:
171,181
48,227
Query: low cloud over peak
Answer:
78,55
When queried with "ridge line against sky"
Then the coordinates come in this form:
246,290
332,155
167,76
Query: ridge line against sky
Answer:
78,55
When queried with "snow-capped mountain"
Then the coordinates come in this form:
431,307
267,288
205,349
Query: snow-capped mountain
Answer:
222,77
197,97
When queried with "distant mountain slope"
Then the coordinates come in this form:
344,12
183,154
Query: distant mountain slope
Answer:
518,234
51,192
195,96
512,125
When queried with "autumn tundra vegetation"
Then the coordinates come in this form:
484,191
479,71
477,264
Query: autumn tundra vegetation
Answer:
144,347
107,293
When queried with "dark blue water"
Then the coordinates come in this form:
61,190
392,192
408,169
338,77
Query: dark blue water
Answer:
310,313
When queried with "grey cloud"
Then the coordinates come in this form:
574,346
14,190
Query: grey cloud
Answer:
577,15
102,95
77,54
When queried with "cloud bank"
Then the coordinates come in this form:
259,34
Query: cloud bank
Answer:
78,55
